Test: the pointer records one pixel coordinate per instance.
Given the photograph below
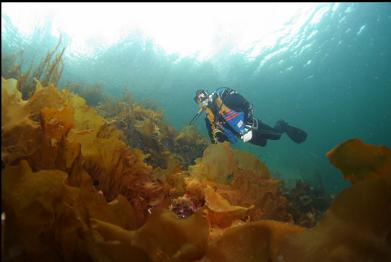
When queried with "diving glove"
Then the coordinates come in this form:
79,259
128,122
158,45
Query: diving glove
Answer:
247,134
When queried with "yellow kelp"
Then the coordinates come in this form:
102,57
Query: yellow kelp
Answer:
73,190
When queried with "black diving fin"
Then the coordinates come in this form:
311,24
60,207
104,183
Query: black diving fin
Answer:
296,134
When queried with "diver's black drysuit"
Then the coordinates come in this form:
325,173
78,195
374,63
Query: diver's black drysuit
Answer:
261,131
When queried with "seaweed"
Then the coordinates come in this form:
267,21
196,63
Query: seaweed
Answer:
237,190
357,225
144,128
307,203
52,129
75,189
93,94
48,71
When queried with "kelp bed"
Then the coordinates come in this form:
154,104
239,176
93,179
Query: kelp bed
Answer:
77,186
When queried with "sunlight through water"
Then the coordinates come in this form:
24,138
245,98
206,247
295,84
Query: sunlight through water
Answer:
188,29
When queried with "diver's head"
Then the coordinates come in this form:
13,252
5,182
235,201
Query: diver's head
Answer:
201,97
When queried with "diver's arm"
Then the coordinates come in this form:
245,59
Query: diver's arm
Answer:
215,134
209,129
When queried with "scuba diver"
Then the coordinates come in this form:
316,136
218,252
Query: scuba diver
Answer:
229,117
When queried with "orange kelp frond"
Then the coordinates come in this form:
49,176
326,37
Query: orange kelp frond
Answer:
58,225
357,225
238,179
13,108
57,123
357,160
256,241
217,164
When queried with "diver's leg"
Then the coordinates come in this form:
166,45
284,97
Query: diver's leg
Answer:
267,131
262,133
296,134
258,139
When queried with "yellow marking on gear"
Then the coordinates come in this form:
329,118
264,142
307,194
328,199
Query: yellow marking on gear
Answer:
211,118
223,109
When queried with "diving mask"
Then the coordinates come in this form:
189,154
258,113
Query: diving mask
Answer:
202,99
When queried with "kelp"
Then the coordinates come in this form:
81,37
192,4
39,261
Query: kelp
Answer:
357,225
77,224
265,194
19,132
93,94
10,66
74,190
164,237
140,128
241,179
38,135
256,241
231,162
358,161
14,108
188,145
59,127
205,168
307,203
114,167
48,71
48,220
355,228
220,212
145,128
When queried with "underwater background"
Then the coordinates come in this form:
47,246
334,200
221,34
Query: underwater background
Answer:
327,71
99,162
